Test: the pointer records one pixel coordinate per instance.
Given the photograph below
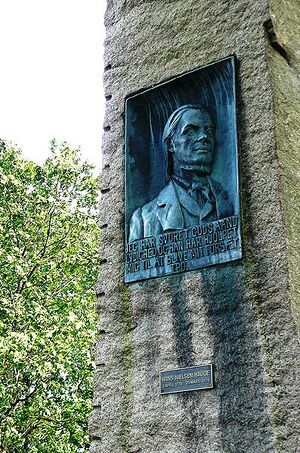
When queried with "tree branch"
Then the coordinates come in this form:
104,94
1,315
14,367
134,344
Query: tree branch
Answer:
17,401
43,251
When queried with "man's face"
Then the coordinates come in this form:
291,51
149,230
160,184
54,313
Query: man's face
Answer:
193,143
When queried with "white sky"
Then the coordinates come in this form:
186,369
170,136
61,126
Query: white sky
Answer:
51,75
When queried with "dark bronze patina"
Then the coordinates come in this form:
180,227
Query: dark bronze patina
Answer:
182,206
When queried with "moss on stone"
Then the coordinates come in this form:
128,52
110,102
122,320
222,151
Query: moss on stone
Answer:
127,358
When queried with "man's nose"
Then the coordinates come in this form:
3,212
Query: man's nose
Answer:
202,136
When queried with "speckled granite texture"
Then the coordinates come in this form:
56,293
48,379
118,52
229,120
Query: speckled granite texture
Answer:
237,316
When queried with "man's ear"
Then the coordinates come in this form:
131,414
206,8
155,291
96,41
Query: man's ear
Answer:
170,146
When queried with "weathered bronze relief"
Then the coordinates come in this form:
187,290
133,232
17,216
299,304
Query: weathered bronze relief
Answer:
182,203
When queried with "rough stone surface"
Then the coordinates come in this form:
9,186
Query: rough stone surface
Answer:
237,316
285,71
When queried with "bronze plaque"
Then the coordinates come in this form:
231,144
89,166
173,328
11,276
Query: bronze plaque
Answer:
186,379
182,198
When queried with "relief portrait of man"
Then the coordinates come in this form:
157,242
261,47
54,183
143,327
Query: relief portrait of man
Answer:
192,196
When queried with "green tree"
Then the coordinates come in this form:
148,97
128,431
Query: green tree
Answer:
48,265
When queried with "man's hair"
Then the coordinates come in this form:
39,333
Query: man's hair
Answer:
170,128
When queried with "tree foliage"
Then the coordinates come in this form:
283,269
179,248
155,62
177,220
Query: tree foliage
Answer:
48,265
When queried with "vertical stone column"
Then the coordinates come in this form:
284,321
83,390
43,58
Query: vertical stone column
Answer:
284,61
240,316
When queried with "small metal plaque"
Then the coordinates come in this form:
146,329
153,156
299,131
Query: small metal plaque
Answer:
182,195
186,379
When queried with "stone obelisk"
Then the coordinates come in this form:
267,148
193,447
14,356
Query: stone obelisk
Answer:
240,315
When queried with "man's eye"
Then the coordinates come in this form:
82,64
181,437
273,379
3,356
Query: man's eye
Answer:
188,129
